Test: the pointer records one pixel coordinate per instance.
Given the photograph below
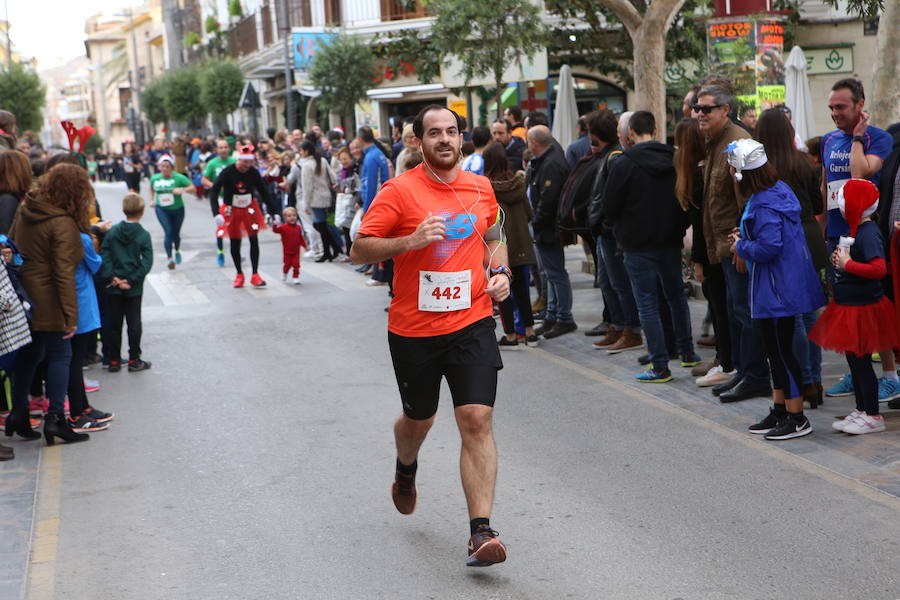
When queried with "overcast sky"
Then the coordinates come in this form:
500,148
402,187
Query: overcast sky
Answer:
53,30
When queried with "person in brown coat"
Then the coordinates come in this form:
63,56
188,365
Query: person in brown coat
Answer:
47,230
509,188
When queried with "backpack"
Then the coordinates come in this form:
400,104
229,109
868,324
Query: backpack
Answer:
572,211
595,208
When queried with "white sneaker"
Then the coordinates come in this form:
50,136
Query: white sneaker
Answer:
284,276
865,423
714,376
309,254
295,280
375,283
839,424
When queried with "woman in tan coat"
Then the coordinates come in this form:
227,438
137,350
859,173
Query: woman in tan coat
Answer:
509,188
47,230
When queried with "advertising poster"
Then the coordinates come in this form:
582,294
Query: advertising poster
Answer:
749,52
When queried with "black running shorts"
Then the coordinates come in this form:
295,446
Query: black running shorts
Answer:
468,358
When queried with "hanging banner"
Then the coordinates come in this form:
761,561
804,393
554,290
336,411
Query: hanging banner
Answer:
749,52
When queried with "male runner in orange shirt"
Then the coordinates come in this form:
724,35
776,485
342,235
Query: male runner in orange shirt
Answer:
441,227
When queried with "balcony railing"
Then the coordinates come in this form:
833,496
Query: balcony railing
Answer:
242,37
397,10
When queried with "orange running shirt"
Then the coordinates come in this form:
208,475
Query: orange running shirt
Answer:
403,203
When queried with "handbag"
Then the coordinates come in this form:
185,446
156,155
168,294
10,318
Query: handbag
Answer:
344,209
354,226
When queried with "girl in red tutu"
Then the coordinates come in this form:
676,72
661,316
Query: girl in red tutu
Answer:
860,320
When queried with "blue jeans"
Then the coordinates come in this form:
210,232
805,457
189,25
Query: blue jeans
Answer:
747,350
51,346
618,279
171,220
610,298
647,270
808,354
559,288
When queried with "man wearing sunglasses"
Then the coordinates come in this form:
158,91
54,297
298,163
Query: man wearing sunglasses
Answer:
721,214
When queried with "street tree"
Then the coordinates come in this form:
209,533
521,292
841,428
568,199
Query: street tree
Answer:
181,94
23,94
342,71
221,84
153,101
488,37
647,24
93,144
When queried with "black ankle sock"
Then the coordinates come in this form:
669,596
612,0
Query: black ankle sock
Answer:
797,416
780,409
408,470
476,524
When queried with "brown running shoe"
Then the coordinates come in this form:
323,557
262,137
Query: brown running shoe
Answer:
404,493
629,341
612,336
485,549
704,367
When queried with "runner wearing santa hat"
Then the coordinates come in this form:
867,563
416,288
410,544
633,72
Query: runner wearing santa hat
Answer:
860,320
240,214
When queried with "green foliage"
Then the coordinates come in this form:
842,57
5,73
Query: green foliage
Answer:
343,71
23,94
234,8
404,47
93,144
221,84
605,44
153,100
487,36
211,25
181,94
191,39
863,8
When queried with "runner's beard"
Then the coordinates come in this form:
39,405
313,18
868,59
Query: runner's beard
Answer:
437,161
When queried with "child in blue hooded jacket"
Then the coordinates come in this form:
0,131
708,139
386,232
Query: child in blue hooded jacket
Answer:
783,280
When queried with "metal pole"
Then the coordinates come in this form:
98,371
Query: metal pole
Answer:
288,64
136,97
8,38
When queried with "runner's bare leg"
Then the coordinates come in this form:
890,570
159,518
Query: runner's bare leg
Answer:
409,435
478,458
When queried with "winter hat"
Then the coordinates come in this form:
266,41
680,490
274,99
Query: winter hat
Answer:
745,155
246,153
857,199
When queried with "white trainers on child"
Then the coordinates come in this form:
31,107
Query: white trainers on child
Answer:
865,423
284,276
839,424
295,280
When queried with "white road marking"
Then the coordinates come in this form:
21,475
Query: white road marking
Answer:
175,289
274,287
339,275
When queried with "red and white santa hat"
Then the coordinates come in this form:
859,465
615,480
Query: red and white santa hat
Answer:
246,153
857,199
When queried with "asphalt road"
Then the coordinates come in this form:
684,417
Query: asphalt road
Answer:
254,460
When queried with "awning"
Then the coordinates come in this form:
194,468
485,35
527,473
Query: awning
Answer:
509,98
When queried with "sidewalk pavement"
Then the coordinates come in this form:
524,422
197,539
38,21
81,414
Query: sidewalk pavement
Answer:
871,459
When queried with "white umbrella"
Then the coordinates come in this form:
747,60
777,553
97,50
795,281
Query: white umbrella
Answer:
797,96
565,113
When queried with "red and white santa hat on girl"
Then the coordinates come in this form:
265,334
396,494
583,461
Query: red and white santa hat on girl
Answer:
246,153
857,199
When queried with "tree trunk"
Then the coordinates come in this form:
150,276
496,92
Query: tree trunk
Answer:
649,67
499,96
883,103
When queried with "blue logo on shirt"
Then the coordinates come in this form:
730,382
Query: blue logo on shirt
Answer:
459,226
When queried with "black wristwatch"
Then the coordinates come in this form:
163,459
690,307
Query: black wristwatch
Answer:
859,138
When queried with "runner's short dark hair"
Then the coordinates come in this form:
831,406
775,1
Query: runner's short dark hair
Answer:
365,134
854,85
642,122
419,122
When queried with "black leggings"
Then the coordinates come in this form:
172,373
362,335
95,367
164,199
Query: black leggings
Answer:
714,290
347,241
77,397
254,253
519,297
778,336
329,244
865,382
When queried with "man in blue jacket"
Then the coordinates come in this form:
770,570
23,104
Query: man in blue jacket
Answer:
375,170
649,226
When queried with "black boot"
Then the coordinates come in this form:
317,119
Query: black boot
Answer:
6,453
20,423
327,242
58,426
